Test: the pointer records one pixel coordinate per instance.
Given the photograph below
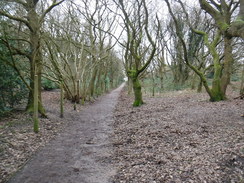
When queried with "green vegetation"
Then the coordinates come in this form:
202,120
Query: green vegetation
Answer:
149,86
12,89
168,85
48,84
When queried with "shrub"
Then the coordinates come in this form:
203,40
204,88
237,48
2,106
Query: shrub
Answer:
13,90
48,84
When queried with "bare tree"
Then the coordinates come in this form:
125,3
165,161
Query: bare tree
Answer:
139,46
80,50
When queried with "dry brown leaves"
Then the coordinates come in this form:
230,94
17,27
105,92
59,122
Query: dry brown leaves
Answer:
179,137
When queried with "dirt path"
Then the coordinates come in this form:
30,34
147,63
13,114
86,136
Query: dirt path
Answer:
81,154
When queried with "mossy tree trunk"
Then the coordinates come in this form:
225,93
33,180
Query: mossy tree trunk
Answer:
137,93
133,75
35,64
216,92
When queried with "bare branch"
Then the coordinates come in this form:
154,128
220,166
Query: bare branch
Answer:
16,18
54,4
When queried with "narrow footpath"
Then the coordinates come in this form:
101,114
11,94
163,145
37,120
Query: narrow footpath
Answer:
81,153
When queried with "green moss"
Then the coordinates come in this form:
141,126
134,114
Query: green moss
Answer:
132,74
137,92
137,103
223,26
217,94
216,98
83,101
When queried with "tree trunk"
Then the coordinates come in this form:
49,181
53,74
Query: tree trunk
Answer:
78,92
30,104
242,82
35,60
137,92
130,85
111,80
35,103
61,100
161,83
228,63
98,83
153,90
199,87
217,94
153,85
92,83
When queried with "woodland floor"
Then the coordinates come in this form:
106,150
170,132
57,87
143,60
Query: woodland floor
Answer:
18,142
177,137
